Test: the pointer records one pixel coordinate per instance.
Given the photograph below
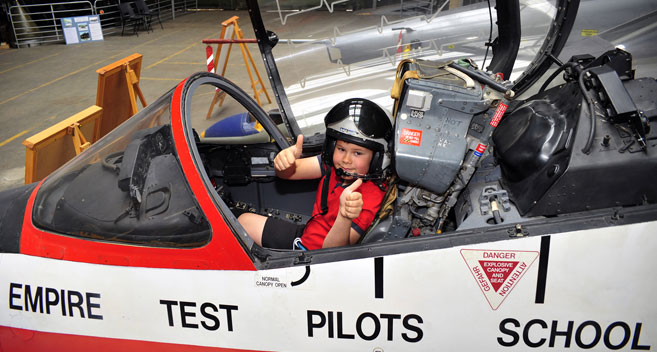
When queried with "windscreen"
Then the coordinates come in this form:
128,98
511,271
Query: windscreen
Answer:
331,51
128,187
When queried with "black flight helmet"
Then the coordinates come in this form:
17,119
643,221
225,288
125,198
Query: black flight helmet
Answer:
364,123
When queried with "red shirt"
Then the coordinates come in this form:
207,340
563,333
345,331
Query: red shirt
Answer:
319,225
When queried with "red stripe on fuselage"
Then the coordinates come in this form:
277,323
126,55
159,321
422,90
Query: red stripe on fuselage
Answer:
223,252
21,340
224,241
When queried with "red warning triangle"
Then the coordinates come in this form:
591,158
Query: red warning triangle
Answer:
497,271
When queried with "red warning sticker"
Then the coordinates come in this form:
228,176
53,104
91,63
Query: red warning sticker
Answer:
501,109
411,137
497,272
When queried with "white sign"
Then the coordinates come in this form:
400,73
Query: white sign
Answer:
82,29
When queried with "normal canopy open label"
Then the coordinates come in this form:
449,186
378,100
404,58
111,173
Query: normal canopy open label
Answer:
497,272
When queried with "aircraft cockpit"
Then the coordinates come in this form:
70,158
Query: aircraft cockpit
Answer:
478,150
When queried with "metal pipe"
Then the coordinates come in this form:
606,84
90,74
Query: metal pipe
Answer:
228,41
54,21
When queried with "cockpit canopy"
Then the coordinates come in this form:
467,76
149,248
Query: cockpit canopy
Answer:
357,52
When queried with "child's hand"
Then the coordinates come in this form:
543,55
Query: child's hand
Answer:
351,202
286,158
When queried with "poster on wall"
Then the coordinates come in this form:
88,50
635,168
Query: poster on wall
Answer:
82,29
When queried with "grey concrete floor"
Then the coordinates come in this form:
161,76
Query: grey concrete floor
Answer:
42,85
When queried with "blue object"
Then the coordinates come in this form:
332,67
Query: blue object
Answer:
233,126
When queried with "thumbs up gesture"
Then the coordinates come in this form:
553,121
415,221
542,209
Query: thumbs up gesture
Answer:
351,202
287,157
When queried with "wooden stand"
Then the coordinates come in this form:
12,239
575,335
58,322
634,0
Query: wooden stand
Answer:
116,101
118,88
231,33
49,149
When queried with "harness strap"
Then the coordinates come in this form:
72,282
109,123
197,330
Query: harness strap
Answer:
325,191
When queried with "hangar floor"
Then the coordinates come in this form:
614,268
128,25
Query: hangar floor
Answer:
42,85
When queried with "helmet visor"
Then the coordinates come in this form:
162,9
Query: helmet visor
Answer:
366,117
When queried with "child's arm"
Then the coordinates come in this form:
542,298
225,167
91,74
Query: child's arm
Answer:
351,204
288,165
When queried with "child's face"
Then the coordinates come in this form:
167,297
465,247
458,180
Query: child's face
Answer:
352,158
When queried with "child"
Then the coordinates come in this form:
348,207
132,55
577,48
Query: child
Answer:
353,164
